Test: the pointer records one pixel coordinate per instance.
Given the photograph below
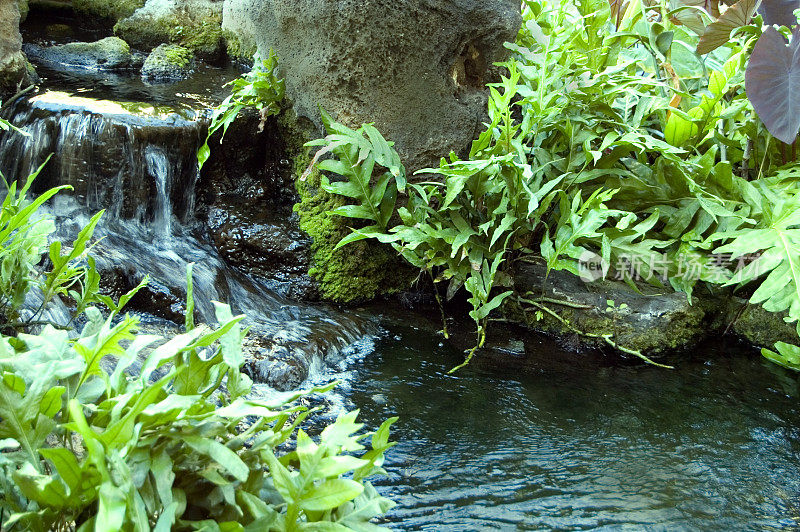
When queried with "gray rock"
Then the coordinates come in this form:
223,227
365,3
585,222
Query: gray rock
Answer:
417,68
168,62
111,53
194,24
15,71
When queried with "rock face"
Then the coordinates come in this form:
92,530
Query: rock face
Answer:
111,53
15,71
417,68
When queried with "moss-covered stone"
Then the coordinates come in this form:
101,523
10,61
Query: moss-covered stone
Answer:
108,9
111,53
168,62
759,326
648,321
237,48
360,271
23,10
199,31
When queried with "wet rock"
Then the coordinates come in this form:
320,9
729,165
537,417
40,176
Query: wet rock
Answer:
156,298
652,321
15,71
168,62
263,244
193,24
278,366
111,53
417,68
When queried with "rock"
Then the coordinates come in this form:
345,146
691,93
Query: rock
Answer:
111,53
652,321
264,245
193,24
278,366
15,71
417,68
168,62
758,326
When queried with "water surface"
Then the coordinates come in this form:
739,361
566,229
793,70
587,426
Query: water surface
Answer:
575,442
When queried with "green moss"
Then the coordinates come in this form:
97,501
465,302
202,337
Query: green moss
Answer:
178,56
199,32
360,271
759,326
236,48
108,9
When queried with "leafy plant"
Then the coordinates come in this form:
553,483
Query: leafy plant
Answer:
773,83
167,446
260,89
356,154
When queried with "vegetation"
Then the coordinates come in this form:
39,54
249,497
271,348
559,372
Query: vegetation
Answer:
112,429
260,89
609,133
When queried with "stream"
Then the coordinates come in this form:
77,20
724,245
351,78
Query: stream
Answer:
545,439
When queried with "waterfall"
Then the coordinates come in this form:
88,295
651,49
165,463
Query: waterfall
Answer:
139,163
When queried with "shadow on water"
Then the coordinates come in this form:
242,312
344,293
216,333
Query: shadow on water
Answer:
572,442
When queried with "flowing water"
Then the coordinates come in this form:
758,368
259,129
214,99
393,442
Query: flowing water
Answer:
548,440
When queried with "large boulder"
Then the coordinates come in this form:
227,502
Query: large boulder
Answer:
15,71
417,68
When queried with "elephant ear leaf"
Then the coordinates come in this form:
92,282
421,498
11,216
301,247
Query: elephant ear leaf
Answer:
772,81
718,32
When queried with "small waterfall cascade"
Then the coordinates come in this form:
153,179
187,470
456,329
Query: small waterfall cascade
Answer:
137,162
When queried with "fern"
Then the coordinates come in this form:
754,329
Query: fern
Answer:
356,154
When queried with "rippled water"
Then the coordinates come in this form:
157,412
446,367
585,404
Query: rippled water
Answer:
574,442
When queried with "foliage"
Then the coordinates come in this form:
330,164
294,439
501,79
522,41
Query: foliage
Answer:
260,89
24,236
169,446
607,134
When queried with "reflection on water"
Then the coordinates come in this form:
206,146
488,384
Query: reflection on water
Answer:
571,443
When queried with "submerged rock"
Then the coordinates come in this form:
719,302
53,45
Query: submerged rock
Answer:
417,68
111,53
168,62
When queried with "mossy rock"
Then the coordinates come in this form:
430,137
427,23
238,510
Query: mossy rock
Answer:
239,49
648,320
361,271
111,53
168,62
358,272
199,32
758,326
108,9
